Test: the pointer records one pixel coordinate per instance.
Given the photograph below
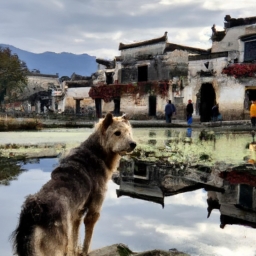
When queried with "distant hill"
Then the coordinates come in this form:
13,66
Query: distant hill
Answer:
65,64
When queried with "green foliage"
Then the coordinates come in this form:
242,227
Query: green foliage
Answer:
12,75
123,250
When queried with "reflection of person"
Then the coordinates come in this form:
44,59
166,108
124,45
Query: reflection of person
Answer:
253,113
215,112
189,109
189,132
169,111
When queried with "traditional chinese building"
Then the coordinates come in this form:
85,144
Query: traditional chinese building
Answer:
143,78
226,74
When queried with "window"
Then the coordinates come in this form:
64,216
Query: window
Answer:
249,51
249,47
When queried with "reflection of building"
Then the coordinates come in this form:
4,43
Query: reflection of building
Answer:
230,193
151,181
237,205
140,180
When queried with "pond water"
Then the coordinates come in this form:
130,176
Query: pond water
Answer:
144,225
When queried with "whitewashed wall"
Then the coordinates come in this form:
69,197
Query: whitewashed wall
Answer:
136,106
42,82
77,93
230,92
153,49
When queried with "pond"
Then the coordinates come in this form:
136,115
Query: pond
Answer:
189,221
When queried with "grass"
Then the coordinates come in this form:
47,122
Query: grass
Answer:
15,124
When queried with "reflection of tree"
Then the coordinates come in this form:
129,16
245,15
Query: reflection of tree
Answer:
9,169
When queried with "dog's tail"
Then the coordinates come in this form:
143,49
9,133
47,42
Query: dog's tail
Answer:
30,216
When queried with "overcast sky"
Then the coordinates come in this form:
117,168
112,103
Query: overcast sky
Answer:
96,27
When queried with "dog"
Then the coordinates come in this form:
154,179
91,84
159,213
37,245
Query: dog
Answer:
50,219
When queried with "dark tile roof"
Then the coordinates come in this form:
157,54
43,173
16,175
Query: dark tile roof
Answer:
208,56
107,63
118,58
171,47
218,36
143,43
248,37
77,84
232,22
42,75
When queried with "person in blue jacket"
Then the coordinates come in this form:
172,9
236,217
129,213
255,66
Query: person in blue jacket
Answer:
169,111
189,111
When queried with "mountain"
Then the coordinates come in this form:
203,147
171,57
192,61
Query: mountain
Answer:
65,64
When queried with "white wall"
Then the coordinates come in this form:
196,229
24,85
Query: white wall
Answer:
143,50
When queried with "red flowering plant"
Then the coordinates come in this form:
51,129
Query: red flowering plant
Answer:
108,92
240,70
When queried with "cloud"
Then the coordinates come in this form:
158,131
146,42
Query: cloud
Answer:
97,27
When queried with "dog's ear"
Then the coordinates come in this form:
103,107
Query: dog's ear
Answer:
125,117
108,120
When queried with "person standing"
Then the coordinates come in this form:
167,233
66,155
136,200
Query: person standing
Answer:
169,111
215,112
253,113
189,111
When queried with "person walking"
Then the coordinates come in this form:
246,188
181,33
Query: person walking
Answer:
253,113
189,111
169,111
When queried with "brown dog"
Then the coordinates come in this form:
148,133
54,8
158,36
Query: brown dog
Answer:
50,219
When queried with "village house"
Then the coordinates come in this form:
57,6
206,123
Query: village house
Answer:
148,73
76,98
141,80
42,91
226,75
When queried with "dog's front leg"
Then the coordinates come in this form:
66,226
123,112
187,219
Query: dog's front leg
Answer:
89,221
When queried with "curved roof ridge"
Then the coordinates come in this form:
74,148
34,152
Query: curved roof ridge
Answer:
142,43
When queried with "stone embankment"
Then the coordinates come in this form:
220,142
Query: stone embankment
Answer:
37,148
122,250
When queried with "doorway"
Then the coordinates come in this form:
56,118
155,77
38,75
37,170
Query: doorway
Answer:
116,106
207,101
250,95
78,108
142,73
109,77
98,108
152,105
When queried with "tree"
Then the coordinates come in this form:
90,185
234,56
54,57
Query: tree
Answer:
12,75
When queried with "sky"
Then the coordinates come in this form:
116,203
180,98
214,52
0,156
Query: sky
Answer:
97,27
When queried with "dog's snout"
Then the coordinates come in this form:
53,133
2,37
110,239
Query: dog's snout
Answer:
133,145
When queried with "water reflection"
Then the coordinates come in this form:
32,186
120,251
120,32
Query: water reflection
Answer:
142,225
231,189
9,170
189,132
230,200
182,177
